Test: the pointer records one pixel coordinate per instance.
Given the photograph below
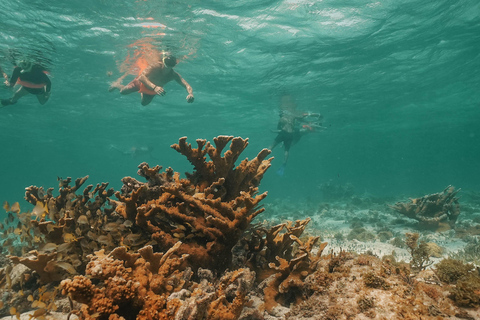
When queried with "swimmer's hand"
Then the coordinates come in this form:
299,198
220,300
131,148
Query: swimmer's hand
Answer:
190,98
159,90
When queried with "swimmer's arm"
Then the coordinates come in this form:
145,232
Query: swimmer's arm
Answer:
144,78
149,84
5,76
14,78
49,84
185,84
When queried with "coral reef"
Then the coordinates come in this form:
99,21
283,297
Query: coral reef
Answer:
202,217
147,285
438,211
362,287
188,248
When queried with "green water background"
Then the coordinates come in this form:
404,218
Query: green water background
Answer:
397,82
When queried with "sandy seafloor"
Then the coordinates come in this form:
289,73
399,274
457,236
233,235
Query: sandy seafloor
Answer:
329,220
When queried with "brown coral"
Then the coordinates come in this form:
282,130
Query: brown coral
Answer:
288,284
45,266
154,287
209,211
438,211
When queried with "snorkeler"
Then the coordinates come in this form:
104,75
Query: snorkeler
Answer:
134,151
152,80
32,79
291,128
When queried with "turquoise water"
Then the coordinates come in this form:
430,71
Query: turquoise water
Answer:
397,82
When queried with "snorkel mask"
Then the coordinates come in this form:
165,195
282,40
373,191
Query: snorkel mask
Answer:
25,65
170,61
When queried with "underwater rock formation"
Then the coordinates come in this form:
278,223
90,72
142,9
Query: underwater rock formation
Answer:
438,211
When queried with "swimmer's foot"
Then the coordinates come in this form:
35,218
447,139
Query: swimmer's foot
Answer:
114,86
7,102
281,170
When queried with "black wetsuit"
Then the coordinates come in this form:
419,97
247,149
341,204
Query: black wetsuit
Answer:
287,135
35,76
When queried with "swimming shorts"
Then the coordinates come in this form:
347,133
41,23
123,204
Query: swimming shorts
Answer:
137,84
33,88
286,137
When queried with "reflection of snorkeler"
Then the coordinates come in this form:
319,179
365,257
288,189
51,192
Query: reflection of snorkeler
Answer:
134,151
291,128
152,80
32,79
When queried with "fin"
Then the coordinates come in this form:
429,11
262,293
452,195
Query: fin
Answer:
281,170
7,102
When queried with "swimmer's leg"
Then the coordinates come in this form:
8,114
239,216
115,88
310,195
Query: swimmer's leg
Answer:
133,86
117,84
43,97
146,99
277,140
18,94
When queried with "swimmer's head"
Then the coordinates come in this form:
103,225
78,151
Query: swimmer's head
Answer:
170,61
25,65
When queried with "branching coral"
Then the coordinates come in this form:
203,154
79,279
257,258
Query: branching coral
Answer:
68,227
287,284
147,285
263,246
438,210
142,255
208,212
132,287
48,269
419,252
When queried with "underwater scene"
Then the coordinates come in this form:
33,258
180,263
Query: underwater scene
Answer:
252,160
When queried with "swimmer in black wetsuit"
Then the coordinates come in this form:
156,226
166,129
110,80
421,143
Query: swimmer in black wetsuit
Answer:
32,79
293,125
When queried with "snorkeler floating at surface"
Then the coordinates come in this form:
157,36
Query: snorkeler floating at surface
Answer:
291,127
32,80
152,80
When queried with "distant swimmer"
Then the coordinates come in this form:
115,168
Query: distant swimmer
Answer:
152,80
292,126
134,151
31,78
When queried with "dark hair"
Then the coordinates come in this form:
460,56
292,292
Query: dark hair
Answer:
170,61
